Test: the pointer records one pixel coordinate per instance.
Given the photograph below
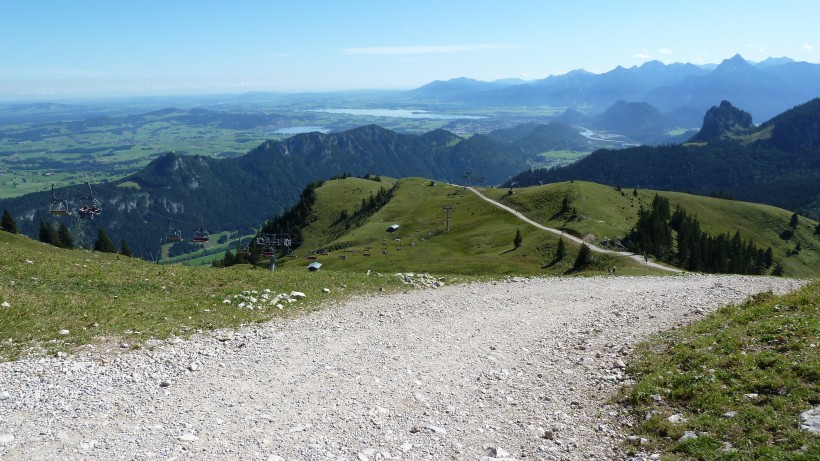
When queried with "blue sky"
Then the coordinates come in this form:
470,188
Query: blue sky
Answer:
63,49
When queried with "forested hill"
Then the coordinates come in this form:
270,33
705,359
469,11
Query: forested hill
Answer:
777,163
239,193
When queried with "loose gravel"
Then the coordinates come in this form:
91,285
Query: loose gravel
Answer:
518,369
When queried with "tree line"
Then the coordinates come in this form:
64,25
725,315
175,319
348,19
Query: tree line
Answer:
677,238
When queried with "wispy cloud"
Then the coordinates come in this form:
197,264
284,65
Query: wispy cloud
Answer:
408,50
806,46
665,51
643,54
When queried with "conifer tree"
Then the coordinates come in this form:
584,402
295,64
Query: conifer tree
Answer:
817,229
565,204
518,239
47,233
103,243
64,238
583,258
125,250
561,251
9,225
794,220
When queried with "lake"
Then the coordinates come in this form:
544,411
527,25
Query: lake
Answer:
398,113
301,129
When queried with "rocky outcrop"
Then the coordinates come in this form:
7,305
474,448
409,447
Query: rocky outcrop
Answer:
723,122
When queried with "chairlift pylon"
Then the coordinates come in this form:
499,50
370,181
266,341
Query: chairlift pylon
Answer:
58,206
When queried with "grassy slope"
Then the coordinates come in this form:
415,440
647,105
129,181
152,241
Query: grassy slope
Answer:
759,359
606,213
480,240
98,295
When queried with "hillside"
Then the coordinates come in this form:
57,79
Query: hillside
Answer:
104,297
480,240
481,236
604,215
776,163
236,194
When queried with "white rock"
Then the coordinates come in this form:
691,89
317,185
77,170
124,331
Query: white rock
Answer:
325,290
810,420
688,435
6,438
297,294
187,438
677,418
63,332
436,429
499,452
5,304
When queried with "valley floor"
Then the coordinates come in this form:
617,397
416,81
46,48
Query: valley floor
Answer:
516,369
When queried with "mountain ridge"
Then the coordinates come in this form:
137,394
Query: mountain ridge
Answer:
776,163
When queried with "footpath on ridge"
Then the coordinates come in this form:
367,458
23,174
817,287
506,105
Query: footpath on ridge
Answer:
577,240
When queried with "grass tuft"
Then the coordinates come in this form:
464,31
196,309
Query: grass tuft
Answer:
740,378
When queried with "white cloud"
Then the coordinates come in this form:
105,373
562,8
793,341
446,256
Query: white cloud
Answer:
806,46
408,50
665,51
643,54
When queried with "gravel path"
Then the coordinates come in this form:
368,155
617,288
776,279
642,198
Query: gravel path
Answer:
519,369
638,258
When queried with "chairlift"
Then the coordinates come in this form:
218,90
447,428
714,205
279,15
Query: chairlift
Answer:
90,207
173,235
58,206
268,244
200,234
242,249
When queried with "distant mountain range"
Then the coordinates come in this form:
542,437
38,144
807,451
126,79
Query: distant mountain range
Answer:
777,163
682,91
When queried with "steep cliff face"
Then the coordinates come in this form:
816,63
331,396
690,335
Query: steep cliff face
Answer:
724,122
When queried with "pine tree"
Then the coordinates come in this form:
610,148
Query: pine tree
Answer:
583,258
565,204
778,270
9,225
561,251
125,250
794,221
64,238
518,239
817,229
103,243
47,233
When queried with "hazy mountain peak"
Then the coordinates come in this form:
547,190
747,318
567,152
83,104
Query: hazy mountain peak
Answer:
770,61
